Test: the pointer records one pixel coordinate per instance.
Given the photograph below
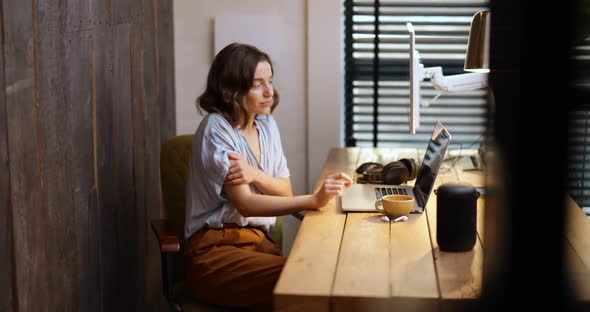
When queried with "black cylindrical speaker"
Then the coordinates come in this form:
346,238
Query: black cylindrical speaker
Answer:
456,216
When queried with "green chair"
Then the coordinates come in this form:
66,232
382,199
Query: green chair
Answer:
174,160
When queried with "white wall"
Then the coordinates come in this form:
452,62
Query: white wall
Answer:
309,77
325,44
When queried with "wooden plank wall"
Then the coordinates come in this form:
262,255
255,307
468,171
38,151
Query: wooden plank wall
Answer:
5,209
86,99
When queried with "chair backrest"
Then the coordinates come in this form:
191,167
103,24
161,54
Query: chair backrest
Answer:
174,161
175,155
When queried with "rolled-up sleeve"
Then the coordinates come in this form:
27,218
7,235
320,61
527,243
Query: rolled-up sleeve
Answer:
281,169
215,146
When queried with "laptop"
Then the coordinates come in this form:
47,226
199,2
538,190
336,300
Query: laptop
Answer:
362,197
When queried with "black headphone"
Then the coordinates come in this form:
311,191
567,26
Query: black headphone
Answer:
400,171
395,173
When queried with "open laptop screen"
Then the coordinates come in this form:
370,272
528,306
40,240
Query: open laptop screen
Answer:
433,157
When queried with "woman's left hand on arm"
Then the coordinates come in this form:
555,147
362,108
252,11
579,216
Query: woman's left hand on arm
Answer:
240,172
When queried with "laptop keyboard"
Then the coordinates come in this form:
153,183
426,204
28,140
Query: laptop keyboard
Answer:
382,191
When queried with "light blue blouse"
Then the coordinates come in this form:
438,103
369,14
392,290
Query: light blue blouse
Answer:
206,201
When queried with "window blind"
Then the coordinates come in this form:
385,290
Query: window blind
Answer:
578,178
377,71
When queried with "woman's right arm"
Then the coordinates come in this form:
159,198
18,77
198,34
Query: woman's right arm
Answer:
249,204
240,172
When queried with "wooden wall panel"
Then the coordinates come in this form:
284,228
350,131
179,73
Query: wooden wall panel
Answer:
102,11
55,151
124,11
115,175
72,224
104,111
28,215
151,110
166,92
80,136
138,126
5,208
138,117
123,165
81,232
79,14
152,193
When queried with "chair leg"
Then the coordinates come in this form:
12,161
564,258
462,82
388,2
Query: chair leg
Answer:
167,284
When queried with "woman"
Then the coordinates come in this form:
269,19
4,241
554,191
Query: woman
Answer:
238,182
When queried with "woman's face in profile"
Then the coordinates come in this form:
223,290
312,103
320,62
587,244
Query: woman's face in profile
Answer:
259,99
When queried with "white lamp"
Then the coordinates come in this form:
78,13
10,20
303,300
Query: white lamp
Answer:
476,62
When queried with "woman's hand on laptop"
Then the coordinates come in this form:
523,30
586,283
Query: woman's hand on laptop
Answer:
333,185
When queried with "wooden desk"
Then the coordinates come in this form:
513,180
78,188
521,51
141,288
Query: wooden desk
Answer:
355,261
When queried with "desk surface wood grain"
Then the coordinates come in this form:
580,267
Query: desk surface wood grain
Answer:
355,261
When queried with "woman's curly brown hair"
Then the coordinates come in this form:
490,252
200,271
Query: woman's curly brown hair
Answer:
230,78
